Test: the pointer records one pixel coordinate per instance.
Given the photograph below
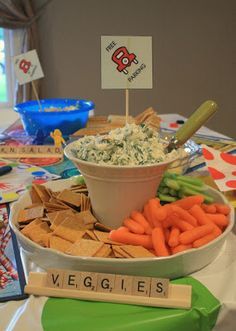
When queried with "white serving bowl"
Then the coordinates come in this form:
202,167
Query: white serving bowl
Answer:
115,191
173,266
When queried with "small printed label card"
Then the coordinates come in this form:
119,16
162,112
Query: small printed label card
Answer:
27,67
126,62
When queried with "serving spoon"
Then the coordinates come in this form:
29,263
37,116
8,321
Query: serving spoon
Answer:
195,121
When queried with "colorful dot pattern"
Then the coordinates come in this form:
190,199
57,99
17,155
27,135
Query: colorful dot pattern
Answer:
222,167
11,189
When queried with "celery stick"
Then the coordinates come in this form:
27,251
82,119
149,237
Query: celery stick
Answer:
162,184
207,198
190,191
173,192
190,180
163,190
170,175
181,195
167,198
193,187
172,184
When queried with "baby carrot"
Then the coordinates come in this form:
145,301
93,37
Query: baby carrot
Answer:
133,226
131,238
190,236
147,215
219,219
167,223
166,234
158,214
156,201
188,202
158,240
211,209
181,224
174,237
222,208
201,217
206,239
123,228
180,248
184,215
139,218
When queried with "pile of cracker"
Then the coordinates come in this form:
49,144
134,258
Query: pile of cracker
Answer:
63,221
104,124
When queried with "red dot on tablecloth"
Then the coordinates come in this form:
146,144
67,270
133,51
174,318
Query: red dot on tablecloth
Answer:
174,125
207,154
228,158
234,173
216,174
231,183
39,181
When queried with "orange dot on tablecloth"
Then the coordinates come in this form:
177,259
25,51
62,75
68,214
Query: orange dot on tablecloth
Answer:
228,158
231,183
216,174
207,154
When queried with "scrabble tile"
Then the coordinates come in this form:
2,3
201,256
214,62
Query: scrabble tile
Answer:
141,286
105,282
159,287
88,281
55,278
71,279
123,284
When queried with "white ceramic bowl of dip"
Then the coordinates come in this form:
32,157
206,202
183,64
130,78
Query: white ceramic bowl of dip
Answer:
173,266
115,191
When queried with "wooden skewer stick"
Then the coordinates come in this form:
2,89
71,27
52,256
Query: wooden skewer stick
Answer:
36,95
126,106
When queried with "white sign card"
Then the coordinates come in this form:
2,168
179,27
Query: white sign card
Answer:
27,67
126,62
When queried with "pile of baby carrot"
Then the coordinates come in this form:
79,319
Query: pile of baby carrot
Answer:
174,227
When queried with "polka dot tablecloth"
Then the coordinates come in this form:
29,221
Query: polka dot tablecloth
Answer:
222,167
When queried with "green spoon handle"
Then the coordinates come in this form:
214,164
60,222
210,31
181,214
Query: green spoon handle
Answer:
195,121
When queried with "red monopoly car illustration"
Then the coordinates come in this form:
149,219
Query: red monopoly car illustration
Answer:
123,58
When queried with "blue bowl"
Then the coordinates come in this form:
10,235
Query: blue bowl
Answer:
68,121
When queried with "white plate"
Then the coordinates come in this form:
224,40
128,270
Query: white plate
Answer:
174,266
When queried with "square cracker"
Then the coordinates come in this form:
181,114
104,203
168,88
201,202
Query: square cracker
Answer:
72,198
104,251
60,217
136,251
69,230
59,244
30,214
119,252
42,192
85,248
37,231
87,217
90,235
104,237
30,226
44,239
